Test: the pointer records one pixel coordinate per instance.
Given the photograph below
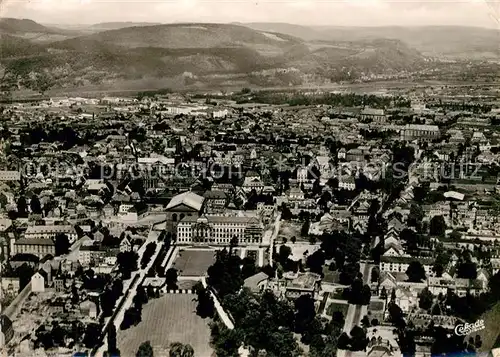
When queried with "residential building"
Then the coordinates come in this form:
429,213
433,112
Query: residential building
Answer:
400,264
347,183
10,175
214,201
301,284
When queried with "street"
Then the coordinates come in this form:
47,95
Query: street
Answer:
130,286
276,229
356,312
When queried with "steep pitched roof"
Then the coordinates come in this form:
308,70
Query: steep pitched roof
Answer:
188,198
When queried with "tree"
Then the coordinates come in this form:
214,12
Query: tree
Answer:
306,312
178,349
107,300
478,342
35,205
248,268
316,261
62,244
467,270
131,317
437,226
145,350
226,342
374,207
455,235
148,253
284,252
425,299
416,215
42,82
366,295
293,239
140,298
112,349
375,275
338,319
91,336
436,310
127,262
344,341
304,232
441,261
205,307
358,339
415,272
171,279
75,296
22,208
396,315
407,342
383,293
494,286
225,274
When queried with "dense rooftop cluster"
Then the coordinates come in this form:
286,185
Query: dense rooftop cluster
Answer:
306,223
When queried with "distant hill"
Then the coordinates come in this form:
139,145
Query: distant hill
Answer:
349,60
11,46
104,26
15,26
195,36
446,41
33,31
202,52
304,32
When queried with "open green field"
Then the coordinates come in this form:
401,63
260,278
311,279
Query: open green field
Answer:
194,262
171,318
331,277
376,305
288,230
334,307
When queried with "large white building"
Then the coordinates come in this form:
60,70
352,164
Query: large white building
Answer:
420,132
50,232
400,264
219,230
10,175
36,246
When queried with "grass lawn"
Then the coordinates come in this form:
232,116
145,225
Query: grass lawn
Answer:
332,277
376,305
288,230
171,318
266,257
194,262
334,307
254,254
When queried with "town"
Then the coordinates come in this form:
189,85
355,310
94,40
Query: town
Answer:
251,223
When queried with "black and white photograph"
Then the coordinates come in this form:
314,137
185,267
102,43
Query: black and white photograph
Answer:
249,178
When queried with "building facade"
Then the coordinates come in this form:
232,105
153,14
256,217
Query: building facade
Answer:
420,132
37,246
50,232
219,230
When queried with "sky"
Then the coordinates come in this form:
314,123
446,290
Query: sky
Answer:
480,13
